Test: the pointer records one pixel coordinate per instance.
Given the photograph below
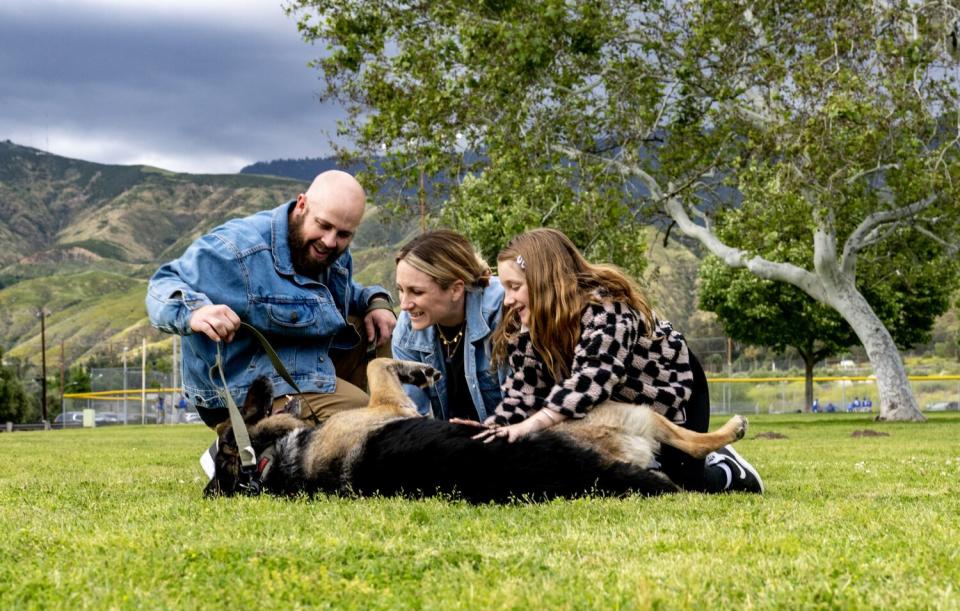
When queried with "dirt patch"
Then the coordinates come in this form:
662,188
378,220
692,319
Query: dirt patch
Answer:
869,433
769,435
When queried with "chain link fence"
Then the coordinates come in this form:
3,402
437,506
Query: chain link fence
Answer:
123,395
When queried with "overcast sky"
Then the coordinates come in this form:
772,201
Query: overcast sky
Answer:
186,85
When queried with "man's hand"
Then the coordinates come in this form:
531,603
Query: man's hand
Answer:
215,321
380,320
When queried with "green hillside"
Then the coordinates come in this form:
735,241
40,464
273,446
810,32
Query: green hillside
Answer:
82,239
54,209
84,310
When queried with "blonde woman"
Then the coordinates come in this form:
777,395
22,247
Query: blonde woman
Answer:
576,334
450,304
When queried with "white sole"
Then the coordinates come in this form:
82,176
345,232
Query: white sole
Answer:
746,465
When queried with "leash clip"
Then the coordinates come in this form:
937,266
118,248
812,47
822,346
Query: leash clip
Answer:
249,481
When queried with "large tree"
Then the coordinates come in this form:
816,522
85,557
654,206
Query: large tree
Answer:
828,121
779,315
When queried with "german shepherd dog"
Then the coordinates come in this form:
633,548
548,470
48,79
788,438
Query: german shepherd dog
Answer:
387,448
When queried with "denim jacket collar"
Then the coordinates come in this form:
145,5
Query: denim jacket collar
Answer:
280,228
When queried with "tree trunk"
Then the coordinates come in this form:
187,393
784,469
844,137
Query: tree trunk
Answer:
897,401
808,363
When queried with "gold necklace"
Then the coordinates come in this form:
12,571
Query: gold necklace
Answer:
454,342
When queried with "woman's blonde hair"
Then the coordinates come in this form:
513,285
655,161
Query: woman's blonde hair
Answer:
560,283
446,256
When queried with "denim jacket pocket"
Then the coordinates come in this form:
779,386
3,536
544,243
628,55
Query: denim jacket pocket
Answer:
293,313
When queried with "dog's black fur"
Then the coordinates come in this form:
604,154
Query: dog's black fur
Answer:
416,457
420,457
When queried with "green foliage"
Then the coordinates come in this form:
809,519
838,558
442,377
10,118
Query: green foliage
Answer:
787,120
15,404
908,286
773,314
77,380
114,518
454,90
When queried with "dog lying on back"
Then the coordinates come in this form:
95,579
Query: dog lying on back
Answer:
388,449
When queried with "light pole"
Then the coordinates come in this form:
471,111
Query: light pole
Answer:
124,386
42,313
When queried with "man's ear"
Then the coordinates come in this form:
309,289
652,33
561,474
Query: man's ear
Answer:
301,204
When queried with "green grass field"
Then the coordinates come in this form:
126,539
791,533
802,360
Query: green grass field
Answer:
114,518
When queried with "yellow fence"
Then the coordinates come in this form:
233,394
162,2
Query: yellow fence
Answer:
728,395
788,393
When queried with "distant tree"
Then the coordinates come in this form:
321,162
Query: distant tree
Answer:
832,123
15,404
77,380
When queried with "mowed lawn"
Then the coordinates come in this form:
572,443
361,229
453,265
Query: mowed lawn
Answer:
114,518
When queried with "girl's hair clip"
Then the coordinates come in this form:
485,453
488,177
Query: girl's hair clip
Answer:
521,263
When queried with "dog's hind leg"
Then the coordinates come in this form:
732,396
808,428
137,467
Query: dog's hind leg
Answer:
696,444
385,377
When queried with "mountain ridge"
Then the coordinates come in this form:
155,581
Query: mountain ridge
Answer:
82,239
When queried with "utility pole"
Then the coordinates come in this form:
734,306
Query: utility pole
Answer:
42,313
63,387
125,417
143,380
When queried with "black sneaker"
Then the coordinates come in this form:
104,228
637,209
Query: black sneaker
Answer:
741,476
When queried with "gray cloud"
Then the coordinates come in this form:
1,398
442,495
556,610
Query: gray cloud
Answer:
200,91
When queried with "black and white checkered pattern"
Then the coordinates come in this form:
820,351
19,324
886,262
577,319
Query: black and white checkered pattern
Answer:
613,360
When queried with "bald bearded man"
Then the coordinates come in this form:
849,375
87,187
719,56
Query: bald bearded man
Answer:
288,273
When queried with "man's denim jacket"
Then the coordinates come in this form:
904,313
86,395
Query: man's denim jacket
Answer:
246,265
483,311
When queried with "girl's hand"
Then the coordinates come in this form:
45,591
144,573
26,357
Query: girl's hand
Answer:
465,422
514,432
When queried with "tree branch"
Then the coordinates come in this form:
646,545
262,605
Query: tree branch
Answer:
735,257
865,233
951,248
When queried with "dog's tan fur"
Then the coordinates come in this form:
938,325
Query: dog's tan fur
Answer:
632,433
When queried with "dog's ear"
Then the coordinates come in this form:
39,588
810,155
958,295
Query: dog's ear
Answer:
259,401
226,463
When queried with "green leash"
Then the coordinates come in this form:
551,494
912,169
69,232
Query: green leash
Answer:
248,458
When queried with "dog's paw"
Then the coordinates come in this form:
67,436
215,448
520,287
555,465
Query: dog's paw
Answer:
418,374
293,406
741,426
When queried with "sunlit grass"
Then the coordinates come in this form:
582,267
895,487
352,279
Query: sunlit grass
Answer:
114,517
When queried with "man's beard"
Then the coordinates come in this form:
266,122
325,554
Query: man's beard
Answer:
303,254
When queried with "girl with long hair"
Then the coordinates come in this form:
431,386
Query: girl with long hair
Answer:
576,334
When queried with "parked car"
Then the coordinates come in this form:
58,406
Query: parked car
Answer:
944,406
108,418
68,419
192,418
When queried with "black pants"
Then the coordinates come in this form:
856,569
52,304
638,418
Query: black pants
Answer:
685,470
